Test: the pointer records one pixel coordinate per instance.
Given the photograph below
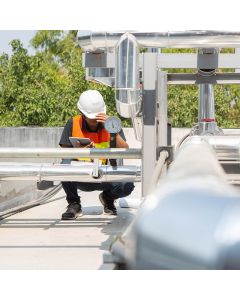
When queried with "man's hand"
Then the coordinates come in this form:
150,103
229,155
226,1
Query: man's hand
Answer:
91,145
101,118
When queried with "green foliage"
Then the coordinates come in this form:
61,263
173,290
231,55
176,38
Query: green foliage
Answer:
42,89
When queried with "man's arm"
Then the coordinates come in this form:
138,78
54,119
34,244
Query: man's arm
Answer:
120,142
67,132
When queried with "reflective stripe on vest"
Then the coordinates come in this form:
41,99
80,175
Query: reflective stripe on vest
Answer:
101,138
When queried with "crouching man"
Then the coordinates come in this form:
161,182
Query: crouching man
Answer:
90,124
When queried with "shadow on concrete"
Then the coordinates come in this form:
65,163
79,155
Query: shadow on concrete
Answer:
53,223
110,226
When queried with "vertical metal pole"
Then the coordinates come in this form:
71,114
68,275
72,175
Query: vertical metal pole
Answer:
149,141
206,107
162,117
206,110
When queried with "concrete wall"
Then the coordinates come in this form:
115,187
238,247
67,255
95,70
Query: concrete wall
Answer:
16,194
49,137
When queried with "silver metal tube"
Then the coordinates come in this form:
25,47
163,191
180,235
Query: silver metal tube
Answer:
172,39
69,153
193,212
195,158
128,101
54,172
158,170
206,109
227,147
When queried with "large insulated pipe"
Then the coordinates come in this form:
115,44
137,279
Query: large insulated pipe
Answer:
61,172
227,147
127,84
91,41
190,219
69,153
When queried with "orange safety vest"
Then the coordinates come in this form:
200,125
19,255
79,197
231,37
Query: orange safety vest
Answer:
101,138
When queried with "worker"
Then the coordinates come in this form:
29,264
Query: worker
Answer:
90,124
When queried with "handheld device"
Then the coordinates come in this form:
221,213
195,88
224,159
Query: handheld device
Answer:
83,141
113,125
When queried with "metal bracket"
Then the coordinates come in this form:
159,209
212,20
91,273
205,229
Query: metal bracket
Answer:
95,173
169,149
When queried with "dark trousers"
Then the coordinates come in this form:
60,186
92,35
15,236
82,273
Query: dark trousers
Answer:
111,190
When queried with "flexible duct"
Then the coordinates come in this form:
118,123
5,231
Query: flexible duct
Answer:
127,84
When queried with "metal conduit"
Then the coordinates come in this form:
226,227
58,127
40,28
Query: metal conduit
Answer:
158,170
172,39
69,153
227,147
60,172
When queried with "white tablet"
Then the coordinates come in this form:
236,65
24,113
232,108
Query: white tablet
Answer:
83,141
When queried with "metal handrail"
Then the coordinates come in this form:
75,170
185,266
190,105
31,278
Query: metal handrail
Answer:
70,153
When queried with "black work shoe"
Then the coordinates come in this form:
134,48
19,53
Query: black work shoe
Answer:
108,205
73,211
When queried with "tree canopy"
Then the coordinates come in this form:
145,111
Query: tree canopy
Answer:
42,89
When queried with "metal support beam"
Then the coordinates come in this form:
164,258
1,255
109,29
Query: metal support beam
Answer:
162,118
170,60
98,60
220,78
149,120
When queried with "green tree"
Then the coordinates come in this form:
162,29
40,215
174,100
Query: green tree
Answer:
42,89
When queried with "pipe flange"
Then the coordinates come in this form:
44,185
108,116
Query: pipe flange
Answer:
100,174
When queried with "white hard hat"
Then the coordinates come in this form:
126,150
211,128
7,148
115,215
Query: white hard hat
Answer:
91,103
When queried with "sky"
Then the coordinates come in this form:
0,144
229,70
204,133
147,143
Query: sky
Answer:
6,36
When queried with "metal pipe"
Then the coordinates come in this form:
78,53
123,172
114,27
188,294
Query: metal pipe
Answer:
70,153
61,172
206,109
158,170
191,218
227,147
91,41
